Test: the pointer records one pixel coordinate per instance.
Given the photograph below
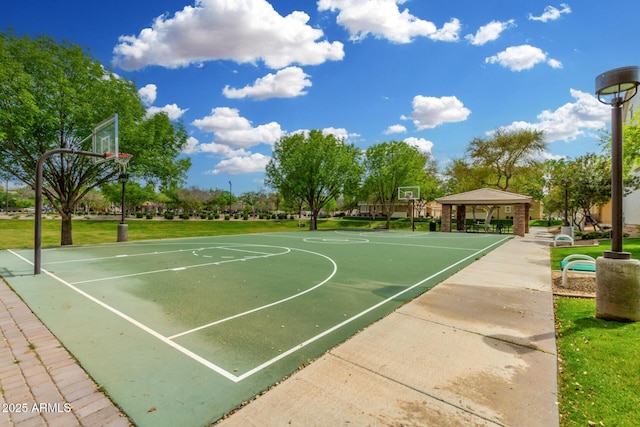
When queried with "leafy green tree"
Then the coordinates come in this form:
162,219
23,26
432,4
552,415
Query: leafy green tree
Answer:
135,195
390,165
506,153
587,182
52,95
462,176
192,199
314,168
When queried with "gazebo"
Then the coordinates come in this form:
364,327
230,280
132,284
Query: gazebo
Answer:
486,197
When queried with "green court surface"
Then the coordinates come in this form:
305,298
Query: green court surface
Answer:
182,331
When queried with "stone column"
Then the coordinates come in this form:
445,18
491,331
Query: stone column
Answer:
445,218
618,289
461,217
519,220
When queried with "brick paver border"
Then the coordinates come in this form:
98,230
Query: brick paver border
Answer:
41,384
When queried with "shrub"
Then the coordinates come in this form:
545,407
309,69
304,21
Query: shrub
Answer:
168,216
184,216
227,217
139,215
149,215
245,217
216,215
203,216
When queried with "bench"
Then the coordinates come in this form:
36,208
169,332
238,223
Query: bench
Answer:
577,263
562,238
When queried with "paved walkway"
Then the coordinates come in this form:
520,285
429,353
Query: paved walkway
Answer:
40,383
477,350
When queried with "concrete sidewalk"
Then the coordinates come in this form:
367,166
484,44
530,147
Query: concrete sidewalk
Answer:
477,350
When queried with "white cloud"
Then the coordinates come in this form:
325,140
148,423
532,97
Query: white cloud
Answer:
242,31
255,162
554,63
192,146
583,117
148,94
524,57
395,129
172,110
235,131
489,32
429,112
551,13
423,145
383,19
286,83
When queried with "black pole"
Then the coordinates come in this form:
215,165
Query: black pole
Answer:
37,235
123,179
566,203
616,182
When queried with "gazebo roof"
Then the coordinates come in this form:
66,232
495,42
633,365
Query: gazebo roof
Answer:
484,196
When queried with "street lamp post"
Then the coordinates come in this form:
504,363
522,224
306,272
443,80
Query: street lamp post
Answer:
123,229
566,203
617,275
617,83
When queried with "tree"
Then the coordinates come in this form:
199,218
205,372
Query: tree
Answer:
134,194
505,153
587,182
390,165
315,168
52,96
463,177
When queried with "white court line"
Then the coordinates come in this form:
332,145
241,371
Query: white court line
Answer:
164,270
238,378
235,316
142,326
226,246
362,313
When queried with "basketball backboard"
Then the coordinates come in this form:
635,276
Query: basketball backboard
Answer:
409,193
105,139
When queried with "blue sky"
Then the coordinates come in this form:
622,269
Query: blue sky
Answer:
242,74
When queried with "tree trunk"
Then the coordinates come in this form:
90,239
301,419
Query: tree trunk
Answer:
66,235
313,224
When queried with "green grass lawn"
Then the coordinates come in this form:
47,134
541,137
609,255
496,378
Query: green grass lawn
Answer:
599,359
599,367
19,233
558,254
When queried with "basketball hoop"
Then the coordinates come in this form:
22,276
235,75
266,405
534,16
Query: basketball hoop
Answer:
122,160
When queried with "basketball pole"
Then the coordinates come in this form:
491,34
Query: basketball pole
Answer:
37,244
413,209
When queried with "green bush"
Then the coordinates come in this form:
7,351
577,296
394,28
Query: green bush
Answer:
216,215
185,216
149,215
227,217
139,215
168,215
245,217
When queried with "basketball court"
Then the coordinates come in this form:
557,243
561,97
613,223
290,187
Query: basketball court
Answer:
182,331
